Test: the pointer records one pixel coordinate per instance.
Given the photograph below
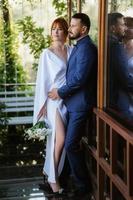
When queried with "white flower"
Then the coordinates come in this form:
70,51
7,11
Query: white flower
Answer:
39,131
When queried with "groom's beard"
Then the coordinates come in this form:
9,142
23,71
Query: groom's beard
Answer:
73,37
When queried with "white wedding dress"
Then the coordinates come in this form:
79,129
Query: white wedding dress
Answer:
51,74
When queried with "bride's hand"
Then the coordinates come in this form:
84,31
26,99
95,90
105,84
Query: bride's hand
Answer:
53,94
42,113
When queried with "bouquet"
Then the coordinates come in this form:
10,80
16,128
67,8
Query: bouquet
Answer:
39,131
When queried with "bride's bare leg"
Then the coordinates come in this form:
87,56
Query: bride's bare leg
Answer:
59,144
59,139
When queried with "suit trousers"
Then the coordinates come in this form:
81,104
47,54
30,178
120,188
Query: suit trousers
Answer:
75,131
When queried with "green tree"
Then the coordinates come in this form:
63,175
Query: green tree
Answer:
10,67
34,37
62,8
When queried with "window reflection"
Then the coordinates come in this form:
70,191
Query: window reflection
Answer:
128,44
120,66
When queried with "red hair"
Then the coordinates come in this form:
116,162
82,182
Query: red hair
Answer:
62,23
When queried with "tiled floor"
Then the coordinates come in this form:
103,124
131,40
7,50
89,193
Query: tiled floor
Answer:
26,189
21,190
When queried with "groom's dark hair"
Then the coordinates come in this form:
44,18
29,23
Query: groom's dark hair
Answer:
85,20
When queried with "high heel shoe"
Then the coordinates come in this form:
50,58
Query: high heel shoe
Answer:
45,187
60,193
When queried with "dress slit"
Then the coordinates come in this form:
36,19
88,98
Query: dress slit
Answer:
49,165
58,117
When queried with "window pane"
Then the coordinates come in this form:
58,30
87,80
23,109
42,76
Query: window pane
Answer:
120,59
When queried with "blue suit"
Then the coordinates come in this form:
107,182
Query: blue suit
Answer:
79,96
79,93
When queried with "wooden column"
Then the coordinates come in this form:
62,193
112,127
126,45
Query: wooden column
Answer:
69,10
113,151
100,183
101,51
79,6
100,137
130,169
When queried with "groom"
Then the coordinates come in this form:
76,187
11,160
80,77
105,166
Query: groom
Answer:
79,95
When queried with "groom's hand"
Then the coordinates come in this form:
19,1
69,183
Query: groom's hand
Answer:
53,94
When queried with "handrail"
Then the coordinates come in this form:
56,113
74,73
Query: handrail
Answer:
18,107
120,146
115,125
17,84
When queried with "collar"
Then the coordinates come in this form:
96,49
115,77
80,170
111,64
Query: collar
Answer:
81,40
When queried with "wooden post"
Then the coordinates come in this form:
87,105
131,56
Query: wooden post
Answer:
69,10
100,183
113,150
79,6
130,169
101,51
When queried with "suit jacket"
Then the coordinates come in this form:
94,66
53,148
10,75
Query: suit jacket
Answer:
120,80
80,91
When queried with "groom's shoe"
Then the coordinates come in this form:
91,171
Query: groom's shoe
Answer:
80,194
60,194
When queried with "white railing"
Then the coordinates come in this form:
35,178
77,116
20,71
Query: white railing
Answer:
18,105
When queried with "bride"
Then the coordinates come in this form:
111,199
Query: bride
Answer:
51,74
